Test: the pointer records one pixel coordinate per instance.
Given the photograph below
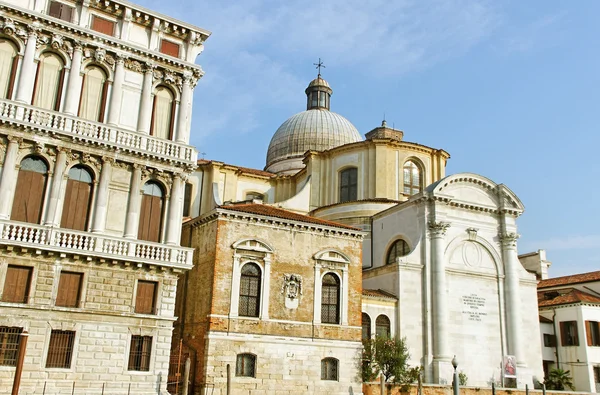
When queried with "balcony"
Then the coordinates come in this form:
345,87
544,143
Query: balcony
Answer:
111,248
95,133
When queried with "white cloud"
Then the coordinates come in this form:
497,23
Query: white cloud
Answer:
573,242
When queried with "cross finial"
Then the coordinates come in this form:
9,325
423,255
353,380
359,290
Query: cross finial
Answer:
319,65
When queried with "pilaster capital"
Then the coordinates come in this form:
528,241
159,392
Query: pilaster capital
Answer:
149,68
63,150
33,30
509,239
438,228
138,167
14,139
107,160
120,58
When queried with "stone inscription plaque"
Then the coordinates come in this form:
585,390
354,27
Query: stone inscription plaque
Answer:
473,306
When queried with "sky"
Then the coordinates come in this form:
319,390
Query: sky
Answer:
510,88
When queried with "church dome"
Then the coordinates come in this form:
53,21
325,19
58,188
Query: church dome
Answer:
316,129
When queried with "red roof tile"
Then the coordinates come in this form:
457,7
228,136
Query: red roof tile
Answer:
568,296
569,280
378,293
270,211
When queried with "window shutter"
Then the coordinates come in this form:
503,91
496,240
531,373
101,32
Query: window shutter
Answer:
563,334
145,297
66,13
16,285
155,214
588,332
69,288
169,48
55,9
102,25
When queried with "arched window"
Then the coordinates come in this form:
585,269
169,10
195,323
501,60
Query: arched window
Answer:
398,249
382,326
93,94
249,291
366,326
29,193
329,369
254,196
78,197
330,299
348,184
245,365
8,68
151,213
412,178
48,82
163,114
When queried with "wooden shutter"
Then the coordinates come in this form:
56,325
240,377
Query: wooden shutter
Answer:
29,197
588,332
55,9
563,334
187,200
102,25
61,11
144,302
169,48
150,218
77,205
69,288
16,285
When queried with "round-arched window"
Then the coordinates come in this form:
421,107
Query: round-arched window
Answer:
398,249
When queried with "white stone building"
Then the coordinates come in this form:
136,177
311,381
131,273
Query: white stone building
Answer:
440,263
570,322
95,106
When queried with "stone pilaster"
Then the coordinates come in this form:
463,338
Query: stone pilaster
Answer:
132,221
183,121
27,75
57,181
9,176
114,108
74,82
145,118
175,211
101,210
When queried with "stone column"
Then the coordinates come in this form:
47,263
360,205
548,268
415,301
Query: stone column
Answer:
184,110
102,196
318,293
512,299
132,221
9,176
59,175
346,294
175,216
74,82
27,76
114,108
235,287
264,308
145,118
441,356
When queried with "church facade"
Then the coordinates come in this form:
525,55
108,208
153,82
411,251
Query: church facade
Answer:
439,254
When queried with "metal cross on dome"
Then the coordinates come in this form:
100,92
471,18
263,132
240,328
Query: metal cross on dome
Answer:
319,65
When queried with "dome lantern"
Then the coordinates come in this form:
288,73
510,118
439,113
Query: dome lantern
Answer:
318,94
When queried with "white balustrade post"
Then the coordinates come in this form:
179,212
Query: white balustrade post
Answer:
102,196
132,221
184,110
27,75
114,108
145,118
9,176
441,356
59,173
175,211
511,296
74,82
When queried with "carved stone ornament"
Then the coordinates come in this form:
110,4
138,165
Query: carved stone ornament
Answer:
100,55
438,228
42,40
133,65
57,41
292,286
472,234
510,239
8,26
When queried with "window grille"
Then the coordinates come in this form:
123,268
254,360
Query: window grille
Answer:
330,299
139,353
398,249
9,345
60,349
329,369
249,302
245,365
348,184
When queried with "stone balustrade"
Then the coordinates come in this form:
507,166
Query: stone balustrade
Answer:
89,132
96,245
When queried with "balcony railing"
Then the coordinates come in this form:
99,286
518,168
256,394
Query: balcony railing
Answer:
94,132
70,241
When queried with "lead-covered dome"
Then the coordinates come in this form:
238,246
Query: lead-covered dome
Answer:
316,129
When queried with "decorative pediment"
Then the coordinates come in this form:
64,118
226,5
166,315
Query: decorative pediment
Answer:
252,245
332,256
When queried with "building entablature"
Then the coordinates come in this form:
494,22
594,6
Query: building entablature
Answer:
19,21
92,246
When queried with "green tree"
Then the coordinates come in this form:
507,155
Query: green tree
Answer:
390,358
369,370
559,380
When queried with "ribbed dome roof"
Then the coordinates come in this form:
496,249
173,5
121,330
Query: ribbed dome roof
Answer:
316,129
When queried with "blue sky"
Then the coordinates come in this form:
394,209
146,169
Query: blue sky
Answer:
511,89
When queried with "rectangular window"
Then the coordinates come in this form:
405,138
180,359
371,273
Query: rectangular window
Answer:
245,365
169,48
145,301
597,375
60,349
102,25
549,340
9,345
187,200
69,289
61,11
17,284
568,333
592,329
139,353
